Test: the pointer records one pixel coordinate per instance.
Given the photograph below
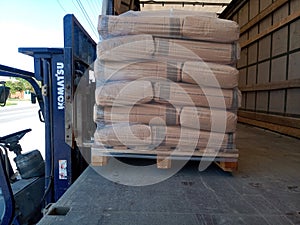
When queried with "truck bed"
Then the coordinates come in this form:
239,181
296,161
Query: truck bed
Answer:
264,190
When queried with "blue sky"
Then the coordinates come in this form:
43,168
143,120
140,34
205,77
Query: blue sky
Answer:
39,23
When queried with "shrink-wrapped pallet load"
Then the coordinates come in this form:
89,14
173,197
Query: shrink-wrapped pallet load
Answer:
166,81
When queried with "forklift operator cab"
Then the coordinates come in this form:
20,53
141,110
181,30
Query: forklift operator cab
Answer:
21,192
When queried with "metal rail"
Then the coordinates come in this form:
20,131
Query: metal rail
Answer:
6,193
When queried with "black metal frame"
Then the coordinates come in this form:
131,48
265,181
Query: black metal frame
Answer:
4,180
7,194
26,75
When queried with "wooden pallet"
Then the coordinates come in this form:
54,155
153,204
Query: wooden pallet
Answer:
227,166
227,160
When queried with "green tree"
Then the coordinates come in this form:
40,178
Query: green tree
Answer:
18,85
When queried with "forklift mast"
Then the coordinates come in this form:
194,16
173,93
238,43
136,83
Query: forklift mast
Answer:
60,70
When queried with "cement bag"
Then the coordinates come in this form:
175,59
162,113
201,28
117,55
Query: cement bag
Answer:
129,71
124,93
210,29
111,26
189,139
123,135
224,121
210,74
191,50
126,48
181,94
149,114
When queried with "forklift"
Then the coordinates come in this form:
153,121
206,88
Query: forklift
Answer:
39,182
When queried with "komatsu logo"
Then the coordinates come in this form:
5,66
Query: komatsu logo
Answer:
60,80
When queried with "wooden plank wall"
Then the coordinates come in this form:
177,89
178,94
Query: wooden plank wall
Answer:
270,64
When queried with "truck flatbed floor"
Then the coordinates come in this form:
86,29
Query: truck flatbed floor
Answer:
265,190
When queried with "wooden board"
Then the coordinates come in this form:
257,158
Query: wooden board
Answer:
276,85
267,11
271,29
268,118
294,132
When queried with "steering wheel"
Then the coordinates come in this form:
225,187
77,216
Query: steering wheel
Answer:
14,137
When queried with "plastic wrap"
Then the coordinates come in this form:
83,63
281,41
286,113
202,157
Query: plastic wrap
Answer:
177,94
123,135
180,25
206,74
153,114
126,48
180,94
210,29
144,47
124,93
189,50
158,114
129,71
176,136
138,135
169,13
205,117
110,26
201,73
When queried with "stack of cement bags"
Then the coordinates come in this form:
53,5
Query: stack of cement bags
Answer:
166,80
